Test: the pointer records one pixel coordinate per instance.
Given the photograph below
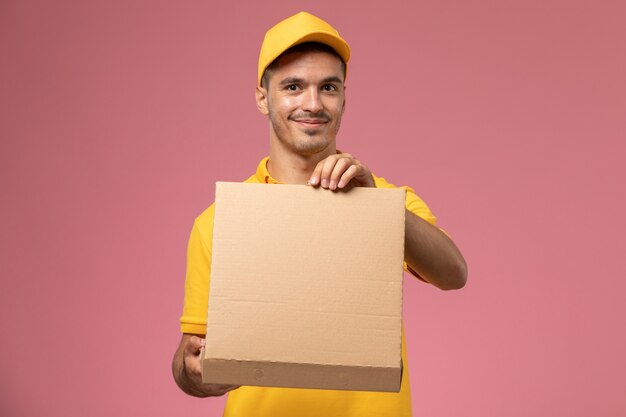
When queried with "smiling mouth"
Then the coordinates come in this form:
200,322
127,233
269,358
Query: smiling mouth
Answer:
311,123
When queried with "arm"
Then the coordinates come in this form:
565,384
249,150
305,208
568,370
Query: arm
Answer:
432,254
187,369
427,250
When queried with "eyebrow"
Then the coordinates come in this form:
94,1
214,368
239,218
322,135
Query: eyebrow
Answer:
296,80
291,80
333,79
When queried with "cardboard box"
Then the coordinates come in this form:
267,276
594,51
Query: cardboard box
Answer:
306,288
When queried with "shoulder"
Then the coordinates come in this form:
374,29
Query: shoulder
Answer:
413,202
205,219
204,222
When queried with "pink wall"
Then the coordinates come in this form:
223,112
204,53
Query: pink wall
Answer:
508,117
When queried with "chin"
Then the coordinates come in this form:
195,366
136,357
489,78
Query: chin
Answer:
312,145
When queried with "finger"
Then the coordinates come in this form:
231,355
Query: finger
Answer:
327,169
317,172
342,165
220,389
193,364
347,176
195,344
364,177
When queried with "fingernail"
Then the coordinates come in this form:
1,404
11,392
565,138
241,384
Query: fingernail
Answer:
203,342
324,183
313,180
333,184
341,184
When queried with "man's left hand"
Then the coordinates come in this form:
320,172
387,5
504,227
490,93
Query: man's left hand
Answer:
341,171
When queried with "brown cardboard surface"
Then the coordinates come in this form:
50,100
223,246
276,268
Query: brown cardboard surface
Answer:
306,287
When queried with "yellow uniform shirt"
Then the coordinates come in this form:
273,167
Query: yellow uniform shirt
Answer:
283,402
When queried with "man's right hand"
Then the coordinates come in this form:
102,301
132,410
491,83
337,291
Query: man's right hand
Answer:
187,369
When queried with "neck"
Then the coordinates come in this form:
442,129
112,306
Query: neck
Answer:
292,168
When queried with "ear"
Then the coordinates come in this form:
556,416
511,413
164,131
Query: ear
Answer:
261,99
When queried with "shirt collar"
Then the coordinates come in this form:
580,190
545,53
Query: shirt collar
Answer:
263,175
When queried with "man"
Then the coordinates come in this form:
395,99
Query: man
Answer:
302,70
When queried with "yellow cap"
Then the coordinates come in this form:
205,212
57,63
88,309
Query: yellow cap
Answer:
299,28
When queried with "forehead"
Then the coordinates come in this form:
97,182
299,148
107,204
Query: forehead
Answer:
307,64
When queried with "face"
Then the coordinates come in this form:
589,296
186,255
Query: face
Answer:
305,100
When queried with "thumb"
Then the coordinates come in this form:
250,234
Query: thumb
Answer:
195,344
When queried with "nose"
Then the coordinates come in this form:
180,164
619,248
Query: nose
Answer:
312,102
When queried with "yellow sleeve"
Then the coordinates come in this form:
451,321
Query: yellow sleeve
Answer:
197,279
416,206
413,203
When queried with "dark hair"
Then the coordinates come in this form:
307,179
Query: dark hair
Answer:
301,47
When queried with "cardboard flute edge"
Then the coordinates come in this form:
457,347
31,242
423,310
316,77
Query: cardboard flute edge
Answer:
301,375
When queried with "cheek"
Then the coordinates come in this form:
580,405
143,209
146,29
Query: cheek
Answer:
283,103
290,103
339,110
336,106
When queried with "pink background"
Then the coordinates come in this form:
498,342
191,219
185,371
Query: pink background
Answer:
508,117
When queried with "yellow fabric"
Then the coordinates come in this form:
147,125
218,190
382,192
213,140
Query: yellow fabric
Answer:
279,402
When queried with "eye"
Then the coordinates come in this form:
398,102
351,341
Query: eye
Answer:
329,87
291,87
